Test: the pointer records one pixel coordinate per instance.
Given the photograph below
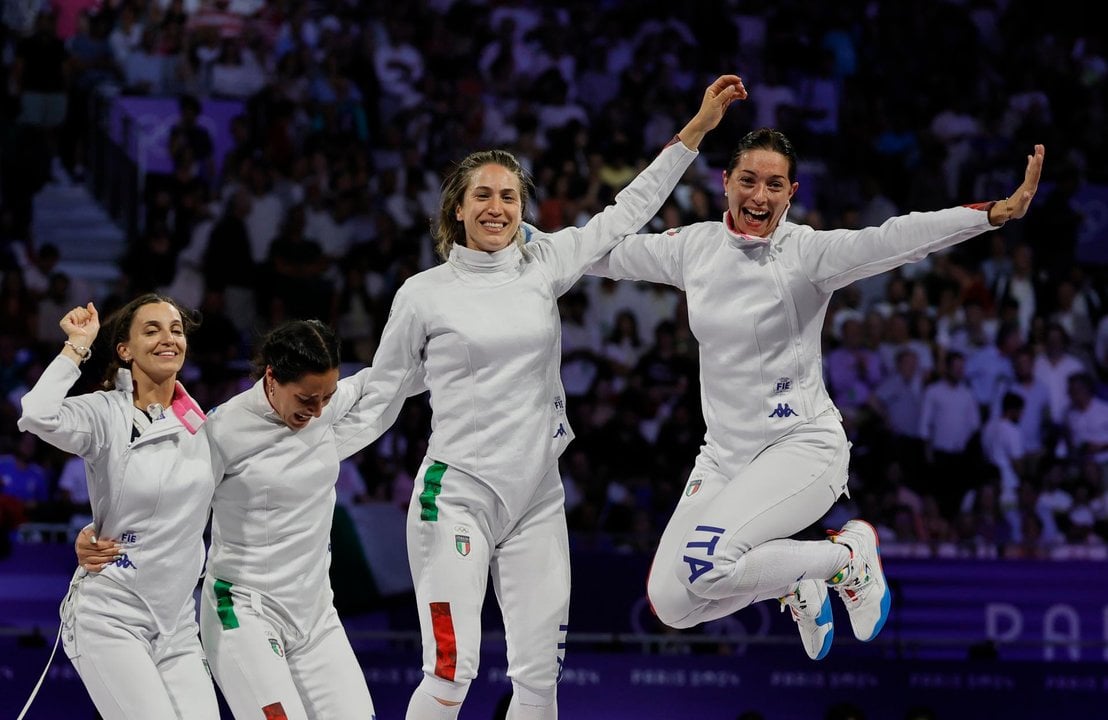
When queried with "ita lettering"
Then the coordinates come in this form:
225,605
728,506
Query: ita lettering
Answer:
698,565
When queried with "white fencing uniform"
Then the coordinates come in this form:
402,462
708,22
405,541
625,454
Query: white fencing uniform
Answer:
484,329
131,630
774,458
267,616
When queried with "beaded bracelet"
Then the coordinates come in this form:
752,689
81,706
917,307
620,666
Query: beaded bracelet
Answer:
84,352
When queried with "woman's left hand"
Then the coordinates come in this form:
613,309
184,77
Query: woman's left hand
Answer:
717,98
1016,205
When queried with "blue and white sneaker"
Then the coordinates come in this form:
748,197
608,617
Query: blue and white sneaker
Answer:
861,584
811,609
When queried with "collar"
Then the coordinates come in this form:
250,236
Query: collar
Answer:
261,403
483,262
742,240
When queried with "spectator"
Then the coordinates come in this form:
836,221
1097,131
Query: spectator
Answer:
990,367
853,370
1035,418
1002,444
949,421
622,348
898,401
1053,368
580,346
40,78
24,478
189,132
1087,425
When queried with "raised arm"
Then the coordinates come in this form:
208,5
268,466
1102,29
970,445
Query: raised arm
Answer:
717,98
568,253
68,424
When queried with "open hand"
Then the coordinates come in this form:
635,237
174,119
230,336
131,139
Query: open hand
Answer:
1016,205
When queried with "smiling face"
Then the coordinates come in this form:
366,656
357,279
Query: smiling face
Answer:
298,401
490,209
156,344
758,191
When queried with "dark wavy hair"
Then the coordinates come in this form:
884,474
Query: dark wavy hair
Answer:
446,229
296,348
765,139
117,329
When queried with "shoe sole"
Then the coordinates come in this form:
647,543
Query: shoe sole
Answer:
824,618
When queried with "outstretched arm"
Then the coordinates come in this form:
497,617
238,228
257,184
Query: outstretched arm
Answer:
1015,205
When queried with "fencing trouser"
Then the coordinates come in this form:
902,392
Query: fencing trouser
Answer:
458,532
726,545
130,669
267,668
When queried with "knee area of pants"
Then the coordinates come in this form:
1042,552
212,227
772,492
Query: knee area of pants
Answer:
437,689
671,610
532,695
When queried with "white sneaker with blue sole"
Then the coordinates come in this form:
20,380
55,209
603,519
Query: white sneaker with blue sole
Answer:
863,588
811,609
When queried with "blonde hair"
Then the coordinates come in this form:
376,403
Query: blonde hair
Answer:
446,229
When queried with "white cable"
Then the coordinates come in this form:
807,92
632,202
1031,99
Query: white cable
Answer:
57,639
34,692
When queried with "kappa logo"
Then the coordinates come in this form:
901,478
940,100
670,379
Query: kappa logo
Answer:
124,561
693,487
783,385
461,543
276,647
561,431
783,411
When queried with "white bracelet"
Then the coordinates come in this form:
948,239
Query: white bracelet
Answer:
84,352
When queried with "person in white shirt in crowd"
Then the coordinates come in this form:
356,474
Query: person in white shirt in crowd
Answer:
1053,368
130,627
1087,424
483,329
989,368
581,345
899,401
1035,418
1002,443
950,419
775,455
622,349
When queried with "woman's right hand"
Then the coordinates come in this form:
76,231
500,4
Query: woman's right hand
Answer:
93,553
81,325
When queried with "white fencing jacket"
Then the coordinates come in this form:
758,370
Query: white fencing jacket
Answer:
152,494
757,305
483,331
275,496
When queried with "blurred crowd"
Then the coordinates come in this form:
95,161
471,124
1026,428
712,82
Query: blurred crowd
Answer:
972,384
